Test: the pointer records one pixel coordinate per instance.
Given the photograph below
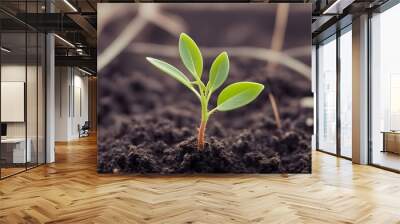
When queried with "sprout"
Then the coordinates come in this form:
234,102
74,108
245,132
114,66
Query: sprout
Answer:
233,96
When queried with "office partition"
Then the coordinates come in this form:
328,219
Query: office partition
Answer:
22,88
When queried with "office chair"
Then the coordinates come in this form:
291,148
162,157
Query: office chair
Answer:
84,130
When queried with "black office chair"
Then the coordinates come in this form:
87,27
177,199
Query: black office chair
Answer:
84,130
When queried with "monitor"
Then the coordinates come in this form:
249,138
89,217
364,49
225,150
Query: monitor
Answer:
3,129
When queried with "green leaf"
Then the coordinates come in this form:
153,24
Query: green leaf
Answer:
218,72
191,55
238,94
171,70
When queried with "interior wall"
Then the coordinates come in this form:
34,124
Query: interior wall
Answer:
32,126
71,102
15,72
81,109
62,80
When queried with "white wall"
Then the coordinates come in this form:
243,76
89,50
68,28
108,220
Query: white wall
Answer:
62,81
12,73
33,126
80,109
71,93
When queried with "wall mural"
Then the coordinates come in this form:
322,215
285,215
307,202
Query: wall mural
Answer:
204,88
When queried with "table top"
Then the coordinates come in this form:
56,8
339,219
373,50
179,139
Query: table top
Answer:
391,132
13,140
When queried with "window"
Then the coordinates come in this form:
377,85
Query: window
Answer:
327,95
346,92
385,89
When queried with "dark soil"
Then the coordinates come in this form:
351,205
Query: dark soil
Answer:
148,121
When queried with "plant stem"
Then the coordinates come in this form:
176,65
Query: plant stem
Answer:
204,118
275,110
201,135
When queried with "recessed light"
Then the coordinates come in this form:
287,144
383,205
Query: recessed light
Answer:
84,71
70,5
64,40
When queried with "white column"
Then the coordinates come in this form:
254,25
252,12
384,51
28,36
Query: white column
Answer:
50,98
360,90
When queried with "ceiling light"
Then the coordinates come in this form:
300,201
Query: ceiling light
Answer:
70,5
5,50
84,71
65,41
338,6
79,51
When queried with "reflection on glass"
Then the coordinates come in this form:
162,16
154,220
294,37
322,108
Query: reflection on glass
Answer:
327,96
14,153
385,84
346,94
22,91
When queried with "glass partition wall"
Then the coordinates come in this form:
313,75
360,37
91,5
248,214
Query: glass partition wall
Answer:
334,83
385,89
13,89
22,98
327,95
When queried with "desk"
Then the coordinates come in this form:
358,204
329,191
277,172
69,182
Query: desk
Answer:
391,141
15,148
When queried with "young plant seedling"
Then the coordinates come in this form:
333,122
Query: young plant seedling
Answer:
231,97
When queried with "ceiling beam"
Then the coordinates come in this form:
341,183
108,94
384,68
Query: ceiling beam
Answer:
84,24
78,61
